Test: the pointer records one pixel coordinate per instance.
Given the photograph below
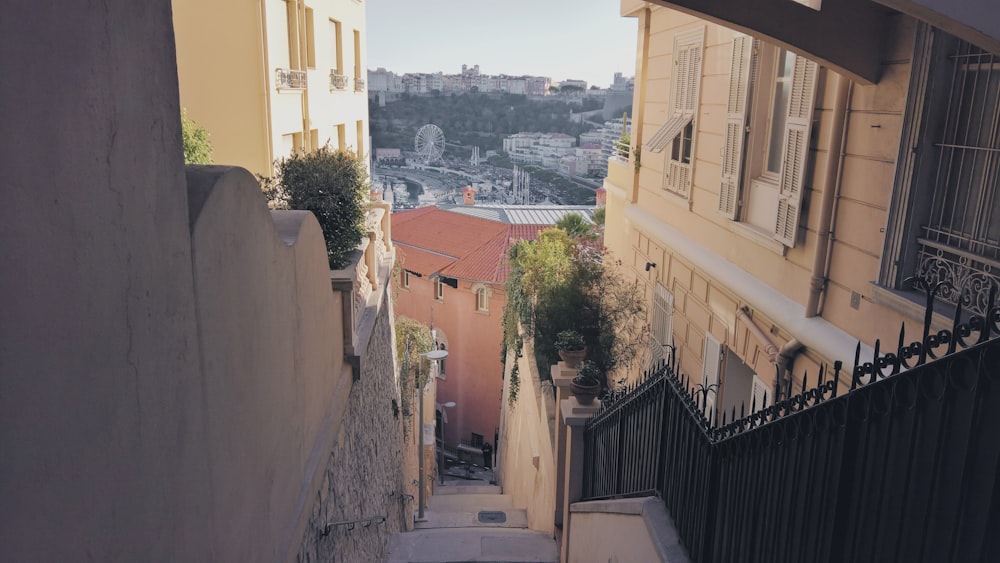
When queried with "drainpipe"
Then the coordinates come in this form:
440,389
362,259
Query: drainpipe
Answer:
781,357
832,178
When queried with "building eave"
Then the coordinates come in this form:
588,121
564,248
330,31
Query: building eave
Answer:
846,36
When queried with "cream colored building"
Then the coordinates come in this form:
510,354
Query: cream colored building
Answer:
270,77
789,180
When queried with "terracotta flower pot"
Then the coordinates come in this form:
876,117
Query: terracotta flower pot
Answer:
572,358
584,393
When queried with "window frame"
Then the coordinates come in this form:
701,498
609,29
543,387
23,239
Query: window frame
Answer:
750,194
438,289
677,137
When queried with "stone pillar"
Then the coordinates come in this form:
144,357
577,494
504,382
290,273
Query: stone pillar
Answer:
562,376
575,416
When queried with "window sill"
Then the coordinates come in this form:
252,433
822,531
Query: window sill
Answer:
485,313
910,304
757,236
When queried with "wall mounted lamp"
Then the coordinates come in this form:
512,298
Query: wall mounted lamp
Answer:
650,265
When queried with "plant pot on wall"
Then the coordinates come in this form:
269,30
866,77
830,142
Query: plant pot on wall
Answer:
572,358
585,391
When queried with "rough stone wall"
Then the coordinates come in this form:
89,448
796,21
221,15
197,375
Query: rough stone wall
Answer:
364,473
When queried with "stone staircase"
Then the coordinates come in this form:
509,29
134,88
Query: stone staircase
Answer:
472,523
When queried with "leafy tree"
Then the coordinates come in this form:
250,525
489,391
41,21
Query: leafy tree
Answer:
599,215
331,184
412,340
197,147
576,226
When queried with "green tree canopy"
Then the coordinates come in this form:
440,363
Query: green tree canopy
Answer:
197,147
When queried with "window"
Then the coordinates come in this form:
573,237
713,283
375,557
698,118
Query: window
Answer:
477,440
710,367
438,289
292,19
310,42
337,51
441,362
404,279
482,297
663,323
357,55
360,126
944,224
679,130
764,165
341,137
760,396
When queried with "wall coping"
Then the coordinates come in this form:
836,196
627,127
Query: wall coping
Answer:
653,512
576,414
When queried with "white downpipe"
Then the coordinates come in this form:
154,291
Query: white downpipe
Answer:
781,357
832,177
814,333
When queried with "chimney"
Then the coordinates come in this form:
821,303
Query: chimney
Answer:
468,196
602,196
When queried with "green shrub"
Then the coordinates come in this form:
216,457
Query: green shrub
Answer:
334,186
197,147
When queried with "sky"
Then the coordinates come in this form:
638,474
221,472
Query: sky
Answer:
562,39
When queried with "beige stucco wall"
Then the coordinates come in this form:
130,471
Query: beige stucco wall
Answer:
704,304
171,373
526,462
227,54
617,538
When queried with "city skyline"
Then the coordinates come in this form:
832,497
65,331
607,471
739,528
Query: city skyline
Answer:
563,40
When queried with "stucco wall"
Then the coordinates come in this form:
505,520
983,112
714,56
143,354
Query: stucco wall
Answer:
171,370
526,460
473,370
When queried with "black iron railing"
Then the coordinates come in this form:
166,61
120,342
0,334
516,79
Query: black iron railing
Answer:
904,467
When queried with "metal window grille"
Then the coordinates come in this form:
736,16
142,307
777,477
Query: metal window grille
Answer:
286,79
960,240
338,81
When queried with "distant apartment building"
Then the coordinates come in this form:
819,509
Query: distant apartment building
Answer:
541,149
470,80
269,79
581,84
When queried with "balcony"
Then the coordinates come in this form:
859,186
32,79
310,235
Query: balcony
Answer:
287,79
359,84
337,81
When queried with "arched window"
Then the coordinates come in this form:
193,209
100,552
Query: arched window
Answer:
482,297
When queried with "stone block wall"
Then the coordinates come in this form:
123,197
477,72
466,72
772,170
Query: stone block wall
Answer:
364,474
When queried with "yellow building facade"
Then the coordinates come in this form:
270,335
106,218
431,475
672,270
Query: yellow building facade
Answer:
270,77
773,206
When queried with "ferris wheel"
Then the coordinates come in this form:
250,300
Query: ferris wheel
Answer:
429,143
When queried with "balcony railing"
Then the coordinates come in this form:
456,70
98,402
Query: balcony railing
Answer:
286,79
338,81
359,84
904,467
621,150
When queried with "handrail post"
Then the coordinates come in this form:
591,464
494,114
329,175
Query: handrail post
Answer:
575,416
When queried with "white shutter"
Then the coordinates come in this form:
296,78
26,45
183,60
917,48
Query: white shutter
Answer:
686,84
663,322
758,395
710,368
736,113
796,153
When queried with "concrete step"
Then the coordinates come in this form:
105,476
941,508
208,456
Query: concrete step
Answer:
472,544
470,503
466,489
513,518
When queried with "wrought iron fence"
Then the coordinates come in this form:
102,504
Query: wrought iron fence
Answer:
904,467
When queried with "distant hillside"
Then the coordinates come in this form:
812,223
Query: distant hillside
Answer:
471,119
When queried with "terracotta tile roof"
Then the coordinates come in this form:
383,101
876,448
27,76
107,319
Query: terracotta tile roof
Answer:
432,240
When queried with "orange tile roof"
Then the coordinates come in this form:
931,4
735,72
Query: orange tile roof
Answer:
455,245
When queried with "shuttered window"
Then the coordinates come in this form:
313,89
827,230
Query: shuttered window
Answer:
779,89
663,323
760,396
711,366
676,137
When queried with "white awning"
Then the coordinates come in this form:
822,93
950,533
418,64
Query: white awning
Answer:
673,127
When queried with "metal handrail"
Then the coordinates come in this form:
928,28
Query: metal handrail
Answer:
351,524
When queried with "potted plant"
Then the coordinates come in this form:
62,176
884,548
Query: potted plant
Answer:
571,347
587,383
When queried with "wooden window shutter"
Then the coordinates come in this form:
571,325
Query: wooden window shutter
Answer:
736,114
796,153
710,368
759,396
686,83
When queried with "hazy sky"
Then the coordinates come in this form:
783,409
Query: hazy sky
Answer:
581,39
